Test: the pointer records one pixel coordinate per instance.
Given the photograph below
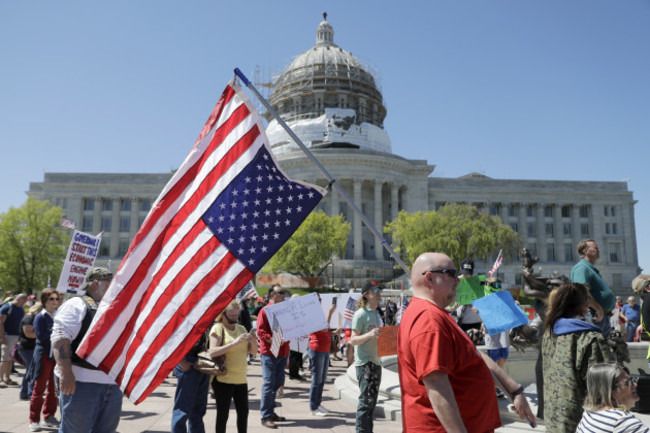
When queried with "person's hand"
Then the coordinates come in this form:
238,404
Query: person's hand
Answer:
67,381
599,312
243,338
185,365
374,333
523,410
332,308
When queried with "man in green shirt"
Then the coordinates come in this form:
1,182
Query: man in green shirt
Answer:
366,325
602,299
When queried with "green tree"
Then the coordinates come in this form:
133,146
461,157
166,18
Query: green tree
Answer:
457,230
311,248
32,246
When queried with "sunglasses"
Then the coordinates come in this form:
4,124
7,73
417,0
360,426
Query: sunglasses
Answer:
453,273
374,290
53,299
629,382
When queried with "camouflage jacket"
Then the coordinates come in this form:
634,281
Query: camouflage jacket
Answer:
566,359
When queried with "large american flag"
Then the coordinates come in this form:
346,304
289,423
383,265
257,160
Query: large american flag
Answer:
223,214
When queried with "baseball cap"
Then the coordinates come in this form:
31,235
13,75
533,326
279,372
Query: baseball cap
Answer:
371,285
467,267
99,274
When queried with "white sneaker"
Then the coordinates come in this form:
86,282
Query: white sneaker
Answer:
50,421
323,409
318,412
33,426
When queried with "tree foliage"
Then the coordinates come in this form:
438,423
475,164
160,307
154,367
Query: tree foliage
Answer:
456,230
311,248
32,246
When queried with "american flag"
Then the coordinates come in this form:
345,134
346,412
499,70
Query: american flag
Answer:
350,307
223,214
68,223
248,291
497,263
276,339
403,303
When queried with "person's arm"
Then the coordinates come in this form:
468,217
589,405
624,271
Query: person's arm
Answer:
263,328
357,338
511,387
63,357
622,315
28,330
217,350
252,344
3,336
442,399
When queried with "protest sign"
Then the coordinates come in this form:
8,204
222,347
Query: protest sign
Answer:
472,288
387,342
339,319
299,316
499,312
79,261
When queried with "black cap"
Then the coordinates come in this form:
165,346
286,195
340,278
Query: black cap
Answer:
371,284
467,267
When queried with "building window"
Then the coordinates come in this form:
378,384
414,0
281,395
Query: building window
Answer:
125,224
606,210
532,248
530,229
566,211
568,253
514,226
614,229
548,211
550,252
612,211
584,229
607,229
512,210
141,221
145,205
106,223
518,279
107,204
87,225
89,204
617,280
530,210
584,211
566,229
105,247
62,202
124,246
495,209
549,229
126,204
614,253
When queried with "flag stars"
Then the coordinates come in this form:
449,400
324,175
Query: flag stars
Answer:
244,215
278,211
287,222
248,179
233,204
276,236
211,219
269,189
279,199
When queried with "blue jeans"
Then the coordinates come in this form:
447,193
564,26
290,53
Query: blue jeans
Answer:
630,330
190,400
93,408
369,377
319,364
27,384
273,378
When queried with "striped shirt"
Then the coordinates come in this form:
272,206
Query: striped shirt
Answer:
610,420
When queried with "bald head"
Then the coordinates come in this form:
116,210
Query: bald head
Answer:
436,286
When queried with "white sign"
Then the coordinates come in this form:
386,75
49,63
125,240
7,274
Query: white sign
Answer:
297,317
78,262
338,319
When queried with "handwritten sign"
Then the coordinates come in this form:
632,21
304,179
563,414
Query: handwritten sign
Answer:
338,318
471,288
499,312
299,316
387,342
78,262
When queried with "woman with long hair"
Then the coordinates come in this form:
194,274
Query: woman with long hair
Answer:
611,392
570,346
43,365
230,338
26,346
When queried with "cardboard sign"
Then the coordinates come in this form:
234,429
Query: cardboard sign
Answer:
472,288
78,262
387,342
338,319
298,317
499,312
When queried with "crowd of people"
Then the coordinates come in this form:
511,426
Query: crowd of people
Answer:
446,383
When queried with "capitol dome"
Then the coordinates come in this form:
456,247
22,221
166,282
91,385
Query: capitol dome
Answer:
329,99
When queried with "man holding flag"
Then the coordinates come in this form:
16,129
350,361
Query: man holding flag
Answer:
273,357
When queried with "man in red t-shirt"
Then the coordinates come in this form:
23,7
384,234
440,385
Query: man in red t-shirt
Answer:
445,382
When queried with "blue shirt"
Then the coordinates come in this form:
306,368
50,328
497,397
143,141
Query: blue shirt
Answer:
584,272
633,314
14,316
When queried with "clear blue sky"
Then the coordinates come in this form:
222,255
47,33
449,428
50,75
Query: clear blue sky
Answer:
513,89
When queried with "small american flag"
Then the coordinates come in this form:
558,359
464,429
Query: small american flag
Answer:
497,263
68,223
348,313
276,340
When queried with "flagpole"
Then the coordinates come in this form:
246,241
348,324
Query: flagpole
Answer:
333,181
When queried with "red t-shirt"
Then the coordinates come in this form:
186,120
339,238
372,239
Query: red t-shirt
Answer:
429,340
264,333
320,341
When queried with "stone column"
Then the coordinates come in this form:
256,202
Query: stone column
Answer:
541,233
378,220
334,201
115,228
523,228
135,217
357,224
558,231
97,215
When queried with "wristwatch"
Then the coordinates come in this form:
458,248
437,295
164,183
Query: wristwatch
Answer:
517,391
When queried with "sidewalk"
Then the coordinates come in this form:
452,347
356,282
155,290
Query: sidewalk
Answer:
154,414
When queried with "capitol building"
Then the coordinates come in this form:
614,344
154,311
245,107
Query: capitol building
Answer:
334,104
